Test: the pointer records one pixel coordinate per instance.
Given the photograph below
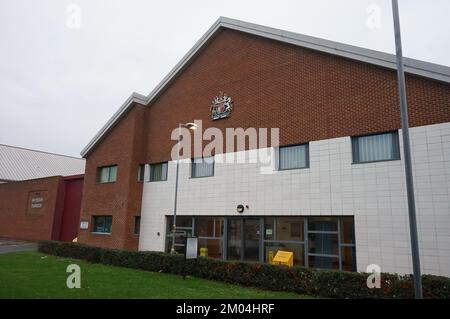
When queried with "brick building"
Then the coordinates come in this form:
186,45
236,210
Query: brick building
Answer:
336,196
40,194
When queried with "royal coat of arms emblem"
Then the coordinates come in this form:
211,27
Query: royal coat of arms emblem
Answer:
221,106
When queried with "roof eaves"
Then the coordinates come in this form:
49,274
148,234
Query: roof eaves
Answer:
426,69
133,98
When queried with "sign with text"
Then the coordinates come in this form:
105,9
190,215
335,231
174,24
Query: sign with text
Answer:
36,202
84,225
191,251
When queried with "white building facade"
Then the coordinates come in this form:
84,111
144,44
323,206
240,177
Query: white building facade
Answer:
373,194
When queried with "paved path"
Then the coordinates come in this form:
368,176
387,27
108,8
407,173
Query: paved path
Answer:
10,245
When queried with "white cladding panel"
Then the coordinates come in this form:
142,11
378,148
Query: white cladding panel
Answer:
374,193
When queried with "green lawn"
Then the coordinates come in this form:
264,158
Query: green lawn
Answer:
34,275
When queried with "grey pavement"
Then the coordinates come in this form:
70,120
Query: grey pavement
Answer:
11,245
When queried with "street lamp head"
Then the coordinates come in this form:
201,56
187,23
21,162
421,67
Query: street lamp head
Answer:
190,126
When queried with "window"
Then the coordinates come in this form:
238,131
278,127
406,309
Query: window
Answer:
107,174
158,172
320,242
373,148
141,173
286,234
296,156
331,243
102,224
137,225
209,231
202,167
184,229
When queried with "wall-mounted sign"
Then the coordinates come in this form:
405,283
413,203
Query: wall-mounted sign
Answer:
191,251
221,106
84,225
36,202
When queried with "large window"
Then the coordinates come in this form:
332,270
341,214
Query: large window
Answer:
286,234
202,167
158,172
321,242
373,148
107,174
184,228
296,156
102,224
209,231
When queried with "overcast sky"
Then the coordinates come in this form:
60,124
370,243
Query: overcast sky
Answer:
60,81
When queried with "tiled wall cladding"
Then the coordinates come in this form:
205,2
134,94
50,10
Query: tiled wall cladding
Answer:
374,193
308,95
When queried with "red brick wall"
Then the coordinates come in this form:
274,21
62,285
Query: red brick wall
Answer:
123,147
17,219
307,94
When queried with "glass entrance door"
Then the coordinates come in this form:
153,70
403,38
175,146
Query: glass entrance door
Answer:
243,239
251,239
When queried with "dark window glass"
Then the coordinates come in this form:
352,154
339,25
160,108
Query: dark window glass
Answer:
289,228
234,239
181,222
184,229
348,258
141,173
102,224
219,227
296,156
210,247
347,230
205,227
322,224
107,174
158,172
323,244
323,262
137,225
377,147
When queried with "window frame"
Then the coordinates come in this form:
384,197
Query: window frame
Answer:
213,167
150,177
395,145
292,168
94,218
99,173
141,173
136,218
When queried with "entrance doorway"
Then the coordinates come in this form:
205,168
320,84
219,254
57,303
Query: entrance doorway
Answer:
243,239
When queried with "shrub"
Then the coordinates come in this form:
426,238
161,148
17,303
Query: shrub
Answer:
311,281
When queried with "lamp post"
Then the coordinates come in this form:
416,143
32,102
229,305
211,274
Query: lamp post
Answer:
407,155
190,126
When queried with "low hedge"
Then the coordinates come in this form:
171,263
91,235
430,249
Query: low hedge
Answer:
310,281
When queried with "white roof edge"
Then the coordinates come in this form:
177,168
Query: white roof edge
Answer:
417,67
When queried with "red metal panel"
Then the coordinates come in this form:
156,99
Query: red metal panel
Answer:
72,207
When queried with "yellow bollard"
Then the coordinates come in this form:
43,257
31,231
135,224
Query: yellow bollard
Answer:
204,252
